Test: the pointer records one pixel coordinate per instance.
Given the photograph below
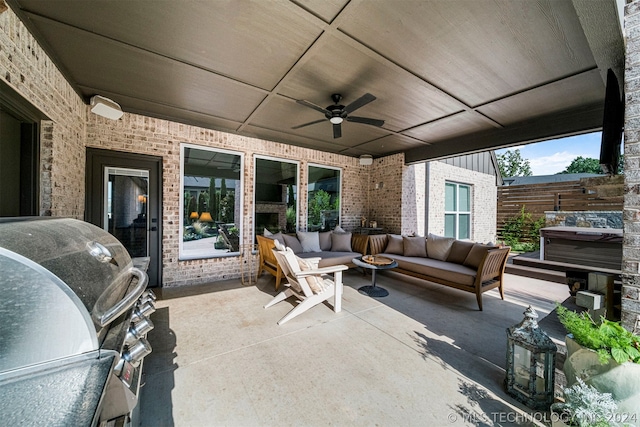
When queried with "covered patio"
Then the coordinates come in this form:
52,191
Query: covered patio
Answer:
421,356
449,78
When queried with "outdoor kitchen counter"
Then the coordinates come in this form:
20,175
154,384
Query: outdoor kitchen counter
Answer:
66,395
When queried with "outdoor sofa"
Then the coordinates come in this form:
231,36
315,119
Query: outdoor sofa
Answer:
332,247
464,265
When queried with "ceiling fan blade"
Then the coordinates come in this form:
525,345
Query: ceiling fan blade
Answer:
337,131
365,120
309,124
360,102
313,106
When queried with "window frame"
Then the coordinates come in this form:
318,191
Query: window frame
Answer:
457,212
340,173
256,157
240,221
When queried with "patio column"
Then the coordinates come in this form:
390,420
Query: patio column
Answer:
631,210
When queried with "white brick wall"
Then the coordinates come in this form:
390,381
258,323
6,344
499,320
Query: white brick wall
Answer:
483,201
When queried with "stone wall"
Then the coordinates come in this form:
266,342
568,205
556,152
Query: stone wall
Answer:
631,212
590,219
483,203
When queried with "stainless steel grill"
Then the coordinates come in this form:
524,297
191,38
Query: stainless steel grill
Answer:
74,314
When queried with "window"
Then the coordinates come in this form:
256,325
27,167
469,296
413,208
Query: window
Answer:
211,183
276,195
457,208
323,198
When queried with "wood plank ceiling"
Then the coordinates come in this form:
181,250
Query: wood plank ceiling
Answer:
450,77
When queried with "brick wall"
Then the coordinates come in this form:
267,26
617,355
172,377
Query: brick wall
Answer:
145,135
483,202
385,193
631,212
26,68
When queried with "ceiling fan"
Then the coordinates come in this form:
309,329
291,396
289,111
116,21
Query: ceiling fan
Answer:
337,113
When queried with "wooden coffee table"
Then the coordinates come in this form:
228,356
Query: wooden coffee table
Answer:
374,263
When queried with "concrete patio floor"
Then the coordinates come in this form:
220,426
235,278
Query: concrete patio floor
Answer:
422,356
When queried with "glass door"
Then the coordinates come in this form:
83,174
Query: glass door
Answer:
126,200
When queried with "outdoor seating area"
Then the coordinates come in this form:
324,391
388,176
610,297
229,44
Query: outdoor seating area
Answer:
411,358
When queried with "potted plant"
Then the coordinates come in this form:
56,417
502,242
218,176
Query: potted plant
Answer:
584,406
605,356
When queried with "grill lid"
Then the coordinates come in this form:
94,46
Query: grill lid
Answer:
93,263
42,318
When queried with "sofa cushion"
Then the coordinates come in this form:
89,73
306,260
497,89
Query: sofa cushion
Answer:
293,243
338,258
476,255
340,242
459,251
438,247
338,229
325,240
414,246
395,245
437,269
329,258
310,241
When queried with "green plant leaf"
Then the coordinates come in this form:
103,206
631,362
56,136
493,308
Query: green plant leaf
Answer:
632,352
619,355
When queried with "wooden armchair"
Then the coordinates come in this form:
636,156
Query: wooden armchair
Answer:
268,260
308,283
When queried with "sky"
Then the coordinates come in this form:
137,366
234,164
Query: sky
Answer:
553,156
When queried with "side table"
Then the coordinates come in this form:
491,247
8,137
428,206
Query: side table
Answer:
373,290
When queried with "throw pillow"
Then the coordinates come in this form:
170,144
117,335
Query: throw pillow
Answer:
315,282
476,255
395,244
459,251
325,240
341,242
338,229
267,233
438,247
279,246
278,236
293,243
414,246
310,241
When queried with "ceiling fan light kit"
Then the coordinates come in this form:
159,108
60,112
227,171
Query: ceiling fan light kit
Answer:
105,107
337,113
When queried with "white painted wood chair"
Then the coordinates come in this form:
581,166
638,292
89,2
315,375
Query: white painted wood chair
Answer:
308,283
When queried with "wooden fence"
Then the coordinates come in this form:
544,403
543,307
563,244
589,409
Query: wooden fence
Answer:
588,194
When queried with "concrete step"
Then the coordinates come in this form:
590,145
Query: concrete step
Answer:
536,273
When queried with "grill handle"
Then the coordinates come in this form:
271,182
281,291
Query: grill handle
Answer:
125,303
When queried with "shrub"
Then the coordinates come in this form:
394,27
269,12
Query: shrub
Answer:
522,232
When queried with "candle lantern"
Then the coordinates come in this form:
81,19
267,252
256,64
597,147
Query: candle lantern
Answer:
531,360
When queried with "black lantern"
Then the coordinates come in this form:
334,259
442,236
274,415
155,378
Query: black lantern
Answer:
531,360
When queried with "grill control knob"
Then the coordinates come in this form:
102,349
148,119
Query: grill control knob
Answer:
138,330
137,352
148,294
146,308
